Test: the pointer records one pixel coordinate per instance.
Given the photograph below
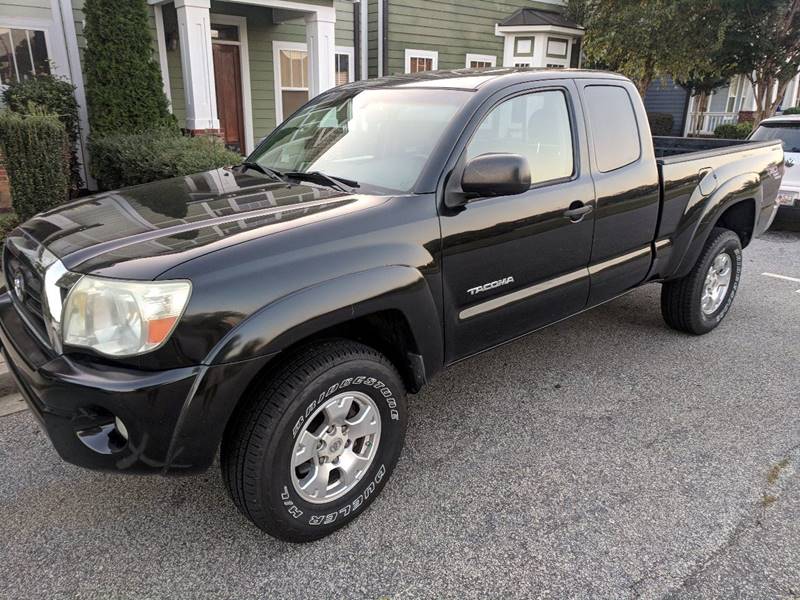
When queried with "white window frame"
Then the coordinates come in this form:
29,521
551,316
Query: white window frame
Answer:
244,67
277,46
492,60
30,25
412,53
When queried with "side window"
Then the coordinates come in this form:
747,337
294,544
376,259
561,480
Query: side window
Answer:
615,133
23,54
536,126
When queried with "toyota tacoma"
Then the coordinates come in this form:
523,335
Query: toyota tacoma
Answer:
276,313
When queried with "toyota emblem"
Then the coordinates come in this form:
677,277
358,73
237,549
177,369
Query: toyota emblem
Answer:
19,285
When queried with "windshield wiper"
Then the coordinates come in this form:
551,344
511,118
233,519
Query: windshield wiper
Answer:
274,173
340,183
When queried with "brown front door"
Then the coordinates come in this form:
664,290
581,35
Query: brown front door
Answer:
228,76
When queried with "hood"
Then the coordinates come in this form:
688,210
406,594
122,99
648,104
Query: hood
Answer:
158,225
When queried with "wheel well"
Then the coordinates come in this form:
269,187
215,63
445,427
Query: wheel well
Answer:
386,331
740,218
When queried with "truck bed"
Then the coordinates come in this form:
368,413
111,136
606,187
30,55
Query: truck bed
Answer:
756,167
702,147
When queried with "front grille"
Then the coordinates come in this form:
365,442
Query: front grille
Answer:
17,263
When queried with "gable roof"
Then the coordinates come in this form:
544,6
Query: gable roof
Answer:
537,17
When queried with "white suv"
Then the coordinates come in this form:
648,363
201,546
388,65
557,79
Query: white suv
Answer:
787,129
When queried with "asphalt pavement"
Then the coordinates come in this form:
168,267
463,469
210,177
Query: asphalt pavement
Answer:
606,456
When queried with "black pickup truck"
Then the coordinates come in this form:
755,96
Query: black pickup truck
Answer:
279,311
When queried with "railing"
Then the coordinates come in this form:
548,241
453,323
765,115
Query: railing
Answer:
704,123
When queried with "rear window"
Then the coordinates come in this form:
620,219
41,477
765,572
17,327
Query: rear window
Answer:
615,135
788,133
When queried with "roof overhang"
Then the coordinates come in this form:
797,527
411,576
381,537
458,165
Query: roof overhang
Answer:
502,30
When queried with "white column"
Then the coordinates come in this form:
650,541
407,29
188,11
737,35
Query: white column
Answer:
321,43
197,60
161,40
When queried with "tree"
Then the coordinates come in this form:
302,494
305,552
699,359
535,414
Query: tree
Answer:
762,40
648,39
124,91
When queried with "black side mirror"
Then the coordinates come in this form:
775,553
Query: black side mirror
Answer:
496,175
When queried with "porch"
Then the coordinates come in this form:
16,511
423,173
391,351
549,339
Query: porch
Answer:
705,122
236,68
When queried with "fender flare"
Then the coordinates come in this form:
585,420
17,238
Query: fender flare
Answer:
708,210
301,314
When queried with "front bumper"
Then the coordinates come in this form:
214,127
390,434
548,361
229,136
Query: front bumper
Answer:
174,419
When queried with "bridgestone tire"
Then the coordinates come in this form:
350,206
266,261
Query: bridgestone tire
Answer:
259,442
681,298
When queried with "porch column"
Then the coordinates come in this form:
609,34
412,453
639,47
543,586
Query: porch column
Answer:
321,43
197,60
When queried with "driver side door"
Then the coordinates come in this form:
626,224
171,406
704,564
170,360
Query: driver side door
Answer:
515,263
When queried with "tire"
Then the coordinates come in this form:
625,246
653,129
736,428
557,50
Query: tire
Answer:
682,299
285,409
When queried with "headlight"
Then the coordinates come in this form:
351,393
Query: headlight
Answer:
122,318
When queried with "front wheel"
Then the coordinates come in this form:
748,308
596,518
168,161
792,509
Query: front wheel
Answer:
313,447
698,302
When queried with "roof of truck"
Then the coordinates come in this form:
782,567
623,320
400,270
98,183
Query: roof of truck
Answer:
473,79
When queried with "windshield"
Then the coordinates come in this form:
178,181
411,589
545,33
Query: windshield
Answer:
788,133
376,137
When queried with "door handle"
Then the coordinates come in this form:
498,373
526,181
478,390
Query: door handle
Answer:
577,210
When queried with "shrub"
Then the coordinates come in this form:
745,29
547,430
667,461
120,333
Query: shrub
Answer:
124,91
36,148
52,95
123,160
795,110
731,131
660,123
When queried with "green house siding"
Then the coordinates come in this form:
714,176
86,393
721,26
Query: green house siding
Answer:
28,9
447,27
261,32
372,38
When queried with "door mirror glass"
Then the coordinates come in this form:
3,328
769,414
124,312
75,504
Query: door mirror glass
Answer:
496,174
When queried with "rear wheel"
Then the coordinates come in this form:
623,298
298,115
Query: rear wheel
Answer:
698,302
316,443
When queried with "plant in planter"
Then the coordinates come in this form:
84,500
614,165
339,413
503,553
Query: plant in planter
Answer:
37,161
51,95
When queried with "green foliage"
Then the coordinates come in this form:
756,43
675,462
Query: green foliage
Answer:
660,123
51,95
36,152
792,111
645,39
123,160
730,131
124,90
8,221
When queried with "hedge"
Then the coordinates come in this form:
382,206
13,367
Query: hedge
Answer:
730,131
36,148
51,95
660,123
125,160
124,91
795,110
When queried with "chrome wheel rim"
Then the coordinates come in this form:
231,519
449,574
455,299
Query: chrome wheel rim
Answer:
717,282
335,447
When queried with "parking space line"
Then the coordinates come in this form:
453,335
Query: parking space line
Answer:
785,278
776,276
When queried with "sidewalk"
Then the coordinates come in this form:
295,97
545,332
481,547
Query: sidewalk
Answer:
10,399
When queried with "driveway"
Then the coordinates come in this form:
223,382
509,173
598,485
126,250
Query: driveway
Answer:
606,456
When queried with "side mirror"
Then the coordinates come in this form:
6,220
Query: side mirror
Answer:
496,175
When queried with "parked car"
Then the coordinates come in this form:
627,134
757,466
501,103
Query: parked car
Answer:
787,129
281,310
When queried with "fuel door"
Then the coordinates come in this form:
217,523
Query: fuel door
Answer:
708,181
